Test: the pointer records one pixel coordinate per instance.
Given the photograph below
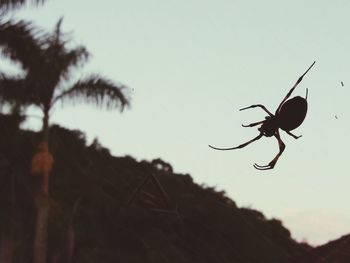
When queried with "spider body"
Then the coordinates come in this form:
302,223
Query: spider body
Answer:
292,113
269,126
289,115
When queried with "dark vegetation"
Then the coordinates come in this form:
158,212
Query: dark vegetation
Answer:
48,69
96,215
101,208
337,251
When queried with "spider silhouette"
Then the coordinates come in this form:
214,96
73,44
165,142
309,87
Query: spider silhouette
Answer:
289,115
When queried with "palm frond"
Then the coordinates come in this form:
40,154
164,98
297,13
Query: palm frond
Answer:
62,59
12,90
12,4
96,90
22,42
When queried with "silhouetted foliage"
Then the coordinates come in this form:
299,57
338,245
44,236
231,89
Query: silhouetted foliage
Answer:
48,79
48,66
22,43
336,251
11,4
92,220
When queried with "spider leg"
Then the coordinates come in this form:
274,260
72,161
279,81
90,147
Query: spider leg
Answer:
239,146
293,135
272,164
252,124
295,85
260,106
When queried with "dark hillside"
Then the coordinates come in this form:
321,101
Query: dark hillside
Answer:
337,251
99,212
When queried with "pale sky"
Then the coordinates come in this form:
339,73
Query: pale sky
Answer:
192,64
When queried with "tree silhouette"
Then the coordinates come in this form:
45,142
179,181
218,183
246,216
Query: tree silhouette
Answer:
45,84
89,194
19,41
48,81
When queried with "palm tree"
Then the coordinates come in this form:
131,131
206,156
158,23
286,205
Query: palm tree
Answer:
19,41
48,65
48,81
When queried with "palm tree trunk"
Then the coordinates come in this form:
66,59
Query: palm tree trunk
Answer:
41,165
6,249
40,242
70,244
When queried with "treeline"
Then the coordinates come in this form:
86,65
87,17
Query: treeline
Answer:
116,209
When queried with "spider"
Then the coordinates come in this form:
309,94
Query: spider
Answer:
289,115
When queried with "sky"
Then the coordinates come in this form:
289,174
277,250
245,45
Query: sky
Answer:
190,65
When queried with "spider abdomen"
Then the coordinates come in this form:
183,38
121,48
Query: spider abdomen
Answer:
292,113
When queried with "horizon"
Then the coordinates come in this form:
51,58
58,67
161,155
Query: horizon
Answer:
191,66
